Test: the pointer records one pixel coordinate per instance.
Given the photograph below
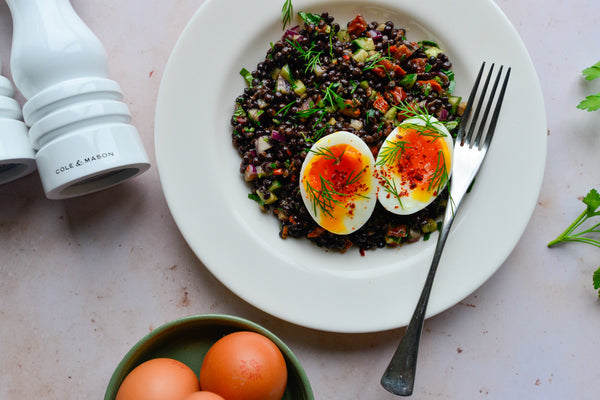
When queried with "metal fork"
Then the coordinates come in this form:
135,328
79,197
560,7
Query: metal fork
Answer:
470,148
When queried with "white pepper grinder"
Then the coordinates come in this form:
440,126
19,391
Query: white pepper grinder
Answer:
79,126
17,158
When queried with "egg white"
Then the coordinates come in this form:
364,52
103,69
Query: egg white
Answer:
358,208
407,202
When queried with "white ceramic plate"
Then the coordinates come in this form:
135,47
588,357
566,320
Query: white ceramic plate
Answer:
293,279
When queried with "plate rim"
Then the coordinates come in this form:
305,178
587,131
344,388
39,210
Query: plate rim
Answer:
208,260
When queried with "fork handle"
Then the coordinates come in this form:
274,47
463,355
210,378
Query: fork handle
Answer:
399,376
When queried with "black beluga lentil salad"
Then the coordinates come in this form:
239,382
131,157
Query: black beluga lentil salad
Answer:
321,78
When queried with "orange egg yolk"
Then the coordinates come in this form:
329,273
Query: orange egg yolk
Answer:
335,179
424,163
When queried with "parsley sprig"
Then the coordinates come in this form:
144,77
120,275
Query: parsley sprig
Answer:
576,232
591,102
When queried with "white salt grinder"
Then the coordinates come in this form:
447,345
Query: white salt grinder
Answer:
79,125
17,158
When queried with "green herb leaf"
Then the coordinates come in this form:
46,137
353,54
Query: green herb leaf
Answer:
591,103
596,280
247,76
287,12
592,201
309,18
592,72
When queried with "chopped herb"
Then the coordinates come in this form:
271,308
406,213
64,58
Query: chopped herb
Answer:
324,199
287,12
309,18
392,153
591,102
577,233
247,76
390,187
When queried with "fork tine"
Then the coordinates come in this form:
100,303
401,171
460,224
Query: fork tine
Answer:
492,126
465,117
478,140
470,140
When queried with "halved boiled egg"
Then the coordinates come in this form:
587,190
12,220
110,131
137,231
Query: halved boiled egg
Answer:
337,182
414,165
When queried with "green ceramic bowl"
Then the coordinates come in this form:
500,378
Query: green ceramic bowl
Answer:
188,339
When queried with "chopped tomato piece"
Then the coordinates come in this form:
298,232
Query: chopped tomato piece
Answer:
400,52
351,109
396,95
418,64
435,85
380,103
385,66
357,26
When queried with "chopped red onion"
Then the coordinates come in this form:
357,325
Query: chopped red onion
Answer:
262,144
292,33
443,114
375,35
276,135
250,173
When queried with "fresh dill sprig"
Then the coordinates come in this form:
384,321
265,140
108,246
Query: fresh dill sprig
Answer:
374,60
440,174
352,179
390,187
311,56
324,199
412,110
333,98
392,153
328,154
287,12
284,110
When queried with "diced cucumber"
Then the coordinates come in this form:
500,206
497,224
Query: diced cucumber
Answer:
276,185
432,51
267,197
275,73
287,74
365,43
454,101
343,35
390,114
408,81
299,87
360,55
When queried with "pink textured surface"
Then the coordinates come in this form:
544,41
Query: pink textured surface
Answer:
82,280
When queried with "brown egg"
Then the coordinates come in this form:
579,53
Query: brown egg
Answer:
244,366
203,395
159,379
